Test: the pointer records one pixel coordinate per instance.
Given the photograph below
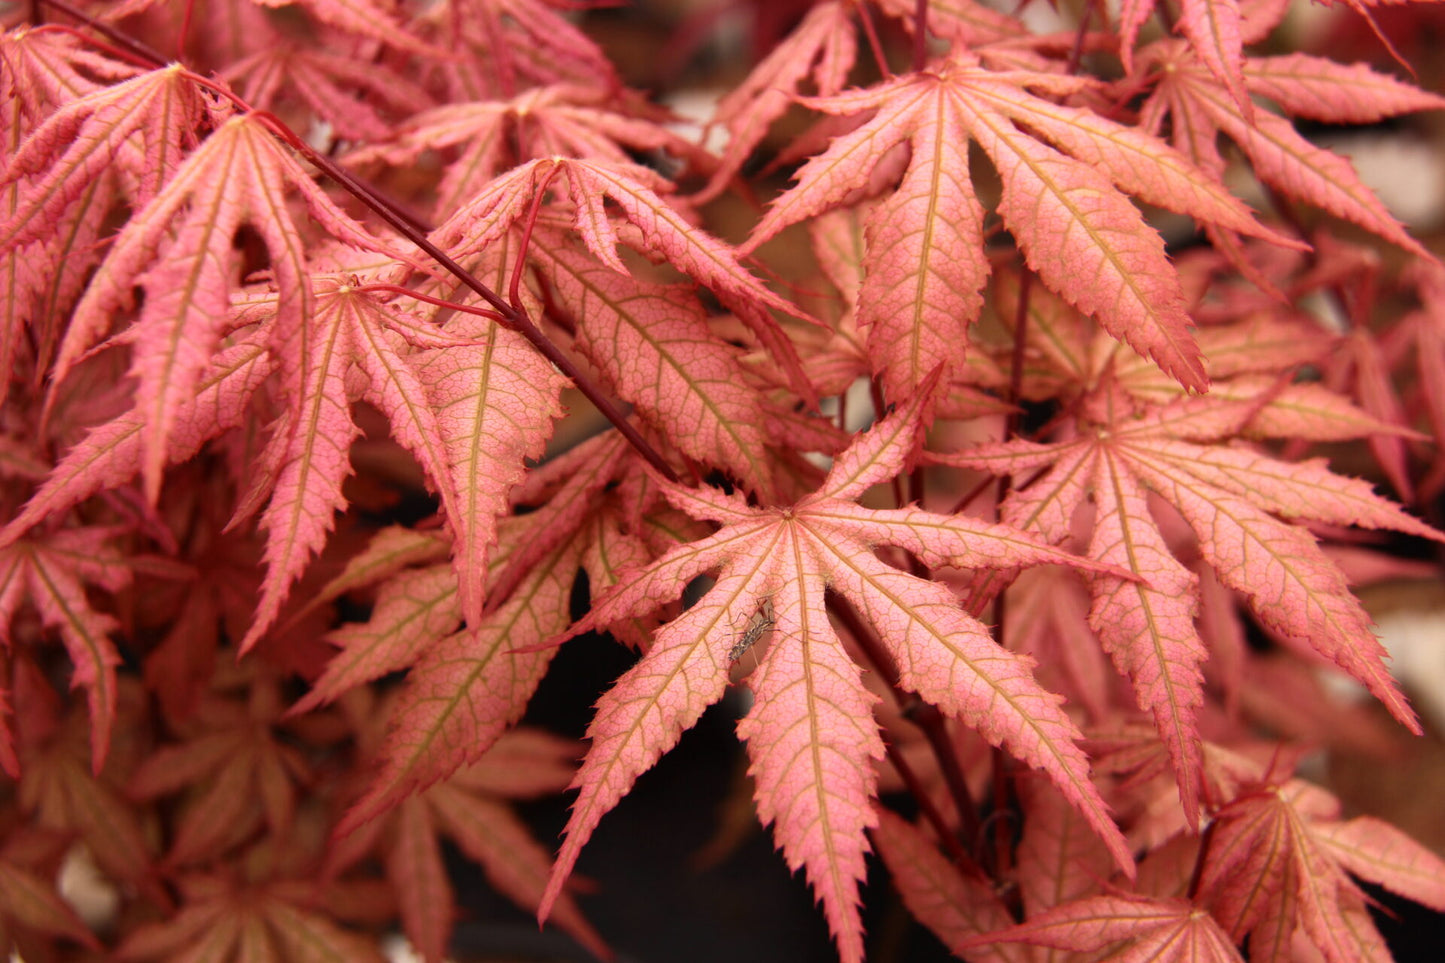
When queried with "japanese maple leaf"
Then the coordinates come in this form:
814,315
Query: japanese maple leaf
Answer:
810,735
1230,497
111,453
52,573
1199,108
473,809
340,88
500,47
1252,360
1139,928
443,406
954,905
364,18
139,126
822,45
229,921
1279,859
649,224
465,686
179,250
1426,330
1061,202
1217,32
58,790
560,120
237,770
652,342
41,73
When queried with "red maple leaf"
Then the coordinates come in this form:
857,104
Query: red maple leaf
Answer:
1230,496
810,734
1061,200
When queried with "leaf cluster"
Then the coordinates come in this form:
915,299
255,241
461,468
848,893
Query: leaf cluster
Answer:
1006,502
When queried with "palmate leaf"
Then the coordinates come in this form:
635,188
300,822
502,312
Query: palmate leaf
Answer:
179,249
473,808
953,905
823,46
52,573
1234,499
469,406
110,454
661,232
1141,929
226,921
1280,859
810,735
1062,202
467,688
560,120
159,109
1199,109
653,343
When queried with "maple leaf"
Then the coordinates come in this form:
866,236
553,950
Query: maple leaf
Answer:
660,231
560,120
29,902
179,250
160,108
465,688
236,771
1151,929
926,264
52,573
652,341
335,86
1229,496
472,808
1279,858
365,18
810,735
1216,30
59,791
448,406
111,454
1199,109
823,45
955,905
229,921
502,46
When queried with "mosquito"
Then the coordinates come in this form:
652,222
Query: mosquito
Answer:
759,623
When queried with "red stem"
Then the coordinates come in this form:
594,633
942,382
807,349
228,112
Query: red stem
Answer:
920,36
926,717
117,37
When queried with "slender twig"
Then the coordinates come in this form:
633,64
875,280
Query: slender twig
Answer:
118,37
874,44
920,36
928,719
1197,876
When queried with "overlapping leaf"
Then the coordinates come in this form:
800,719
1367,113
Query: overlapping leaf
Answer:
1061,201
179,249
473,809
810,734
1279,860
52,573
1230,497
1199,108
660,232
